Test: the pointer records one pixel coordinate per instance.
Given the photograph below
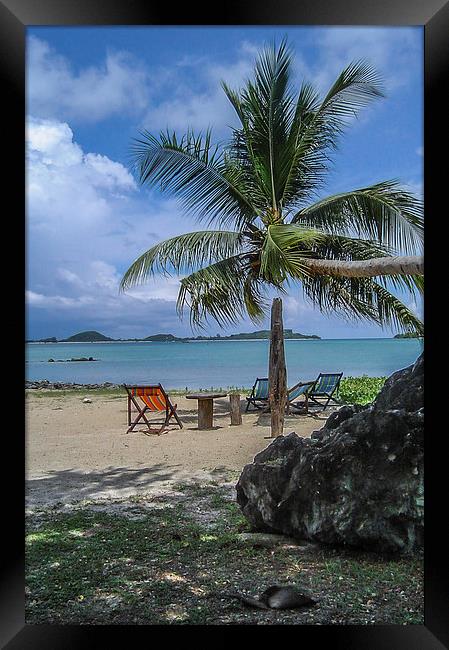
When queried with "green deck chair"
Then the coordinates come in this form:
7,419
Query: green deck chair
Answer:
259,394
319,392
296,391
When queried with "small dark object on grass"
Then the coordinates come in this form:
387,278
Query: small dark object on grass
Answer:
277,597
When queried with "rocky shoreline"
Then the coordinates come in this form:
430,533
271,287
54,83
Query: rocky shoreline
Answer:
59,385
72,359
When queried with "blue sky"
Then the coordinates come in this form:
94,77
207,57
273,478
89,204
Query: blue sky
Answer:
90,90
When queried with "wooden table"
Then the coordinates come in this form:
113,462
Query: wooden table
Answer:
205,408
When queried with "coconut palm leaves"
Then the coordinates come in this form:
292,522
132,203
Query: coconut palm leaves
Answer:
259,193
182,254
384,212
192,170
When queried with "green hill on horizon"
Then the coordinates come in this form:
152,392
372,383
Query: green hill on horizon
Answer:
92,336
408,335
259,334
162,337
87,337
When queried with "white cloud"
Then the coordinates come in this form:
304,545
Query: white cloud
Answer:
390,50
67,189
186,107
89,202
61,302
295,307
97,283
86,223
107,173
121,84
54,89
69,277
51,142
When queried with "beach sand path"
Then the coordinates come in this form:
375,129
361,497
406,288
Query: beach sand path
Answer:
77,450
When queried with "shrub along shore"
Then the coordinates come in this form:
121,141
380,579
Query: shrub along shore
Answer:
353,390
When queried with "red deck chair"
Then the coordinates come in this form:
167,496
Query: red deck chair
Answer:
152,398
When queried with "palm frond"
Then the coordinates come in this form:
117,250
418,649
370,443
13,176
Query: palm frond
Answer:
316,127
394,313
345,297
182,254
359,299
216,291
240,158
303,161
341,247
283,251
414,284
254,298
355,87
383,212
264,108
194,171
271,123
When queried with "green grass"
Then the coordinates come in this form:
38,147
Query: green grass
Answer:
168,565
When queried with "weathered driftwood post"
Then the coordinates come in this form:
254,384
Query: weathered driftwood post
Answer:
236,416
277,379
205,414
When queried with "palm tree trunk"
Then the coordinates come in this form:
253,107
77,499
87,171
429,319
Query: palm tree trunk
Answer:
400,265
277,375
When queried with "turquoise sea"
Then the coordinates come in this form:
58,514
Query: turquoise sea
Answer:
205,364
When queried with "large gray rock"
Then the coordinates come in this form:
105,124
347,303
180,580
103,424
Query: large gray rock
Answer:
358,481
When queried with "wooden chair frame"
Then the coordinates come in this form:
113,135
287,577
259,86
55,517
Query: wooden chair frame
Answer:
312,394
303,406
170,409
252,399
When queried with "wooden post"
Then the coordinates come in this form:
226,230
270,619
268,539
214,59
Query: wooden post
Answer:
205,413
277,379
236,416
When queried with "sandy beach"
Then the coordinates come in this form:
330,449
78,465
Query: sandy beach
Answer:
77,450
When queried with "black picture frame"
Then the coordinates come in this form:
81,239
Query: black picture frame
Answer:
15,17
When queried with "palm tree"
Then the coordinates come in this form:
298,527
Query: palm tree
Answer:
266,228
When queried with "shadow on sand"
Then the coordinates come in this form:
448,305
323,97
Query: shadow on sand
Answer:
69,485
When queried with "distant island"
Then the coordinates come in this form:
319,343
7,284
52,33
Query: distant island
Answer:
92,336
260,334
160,337
51,339
86,337
408,335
